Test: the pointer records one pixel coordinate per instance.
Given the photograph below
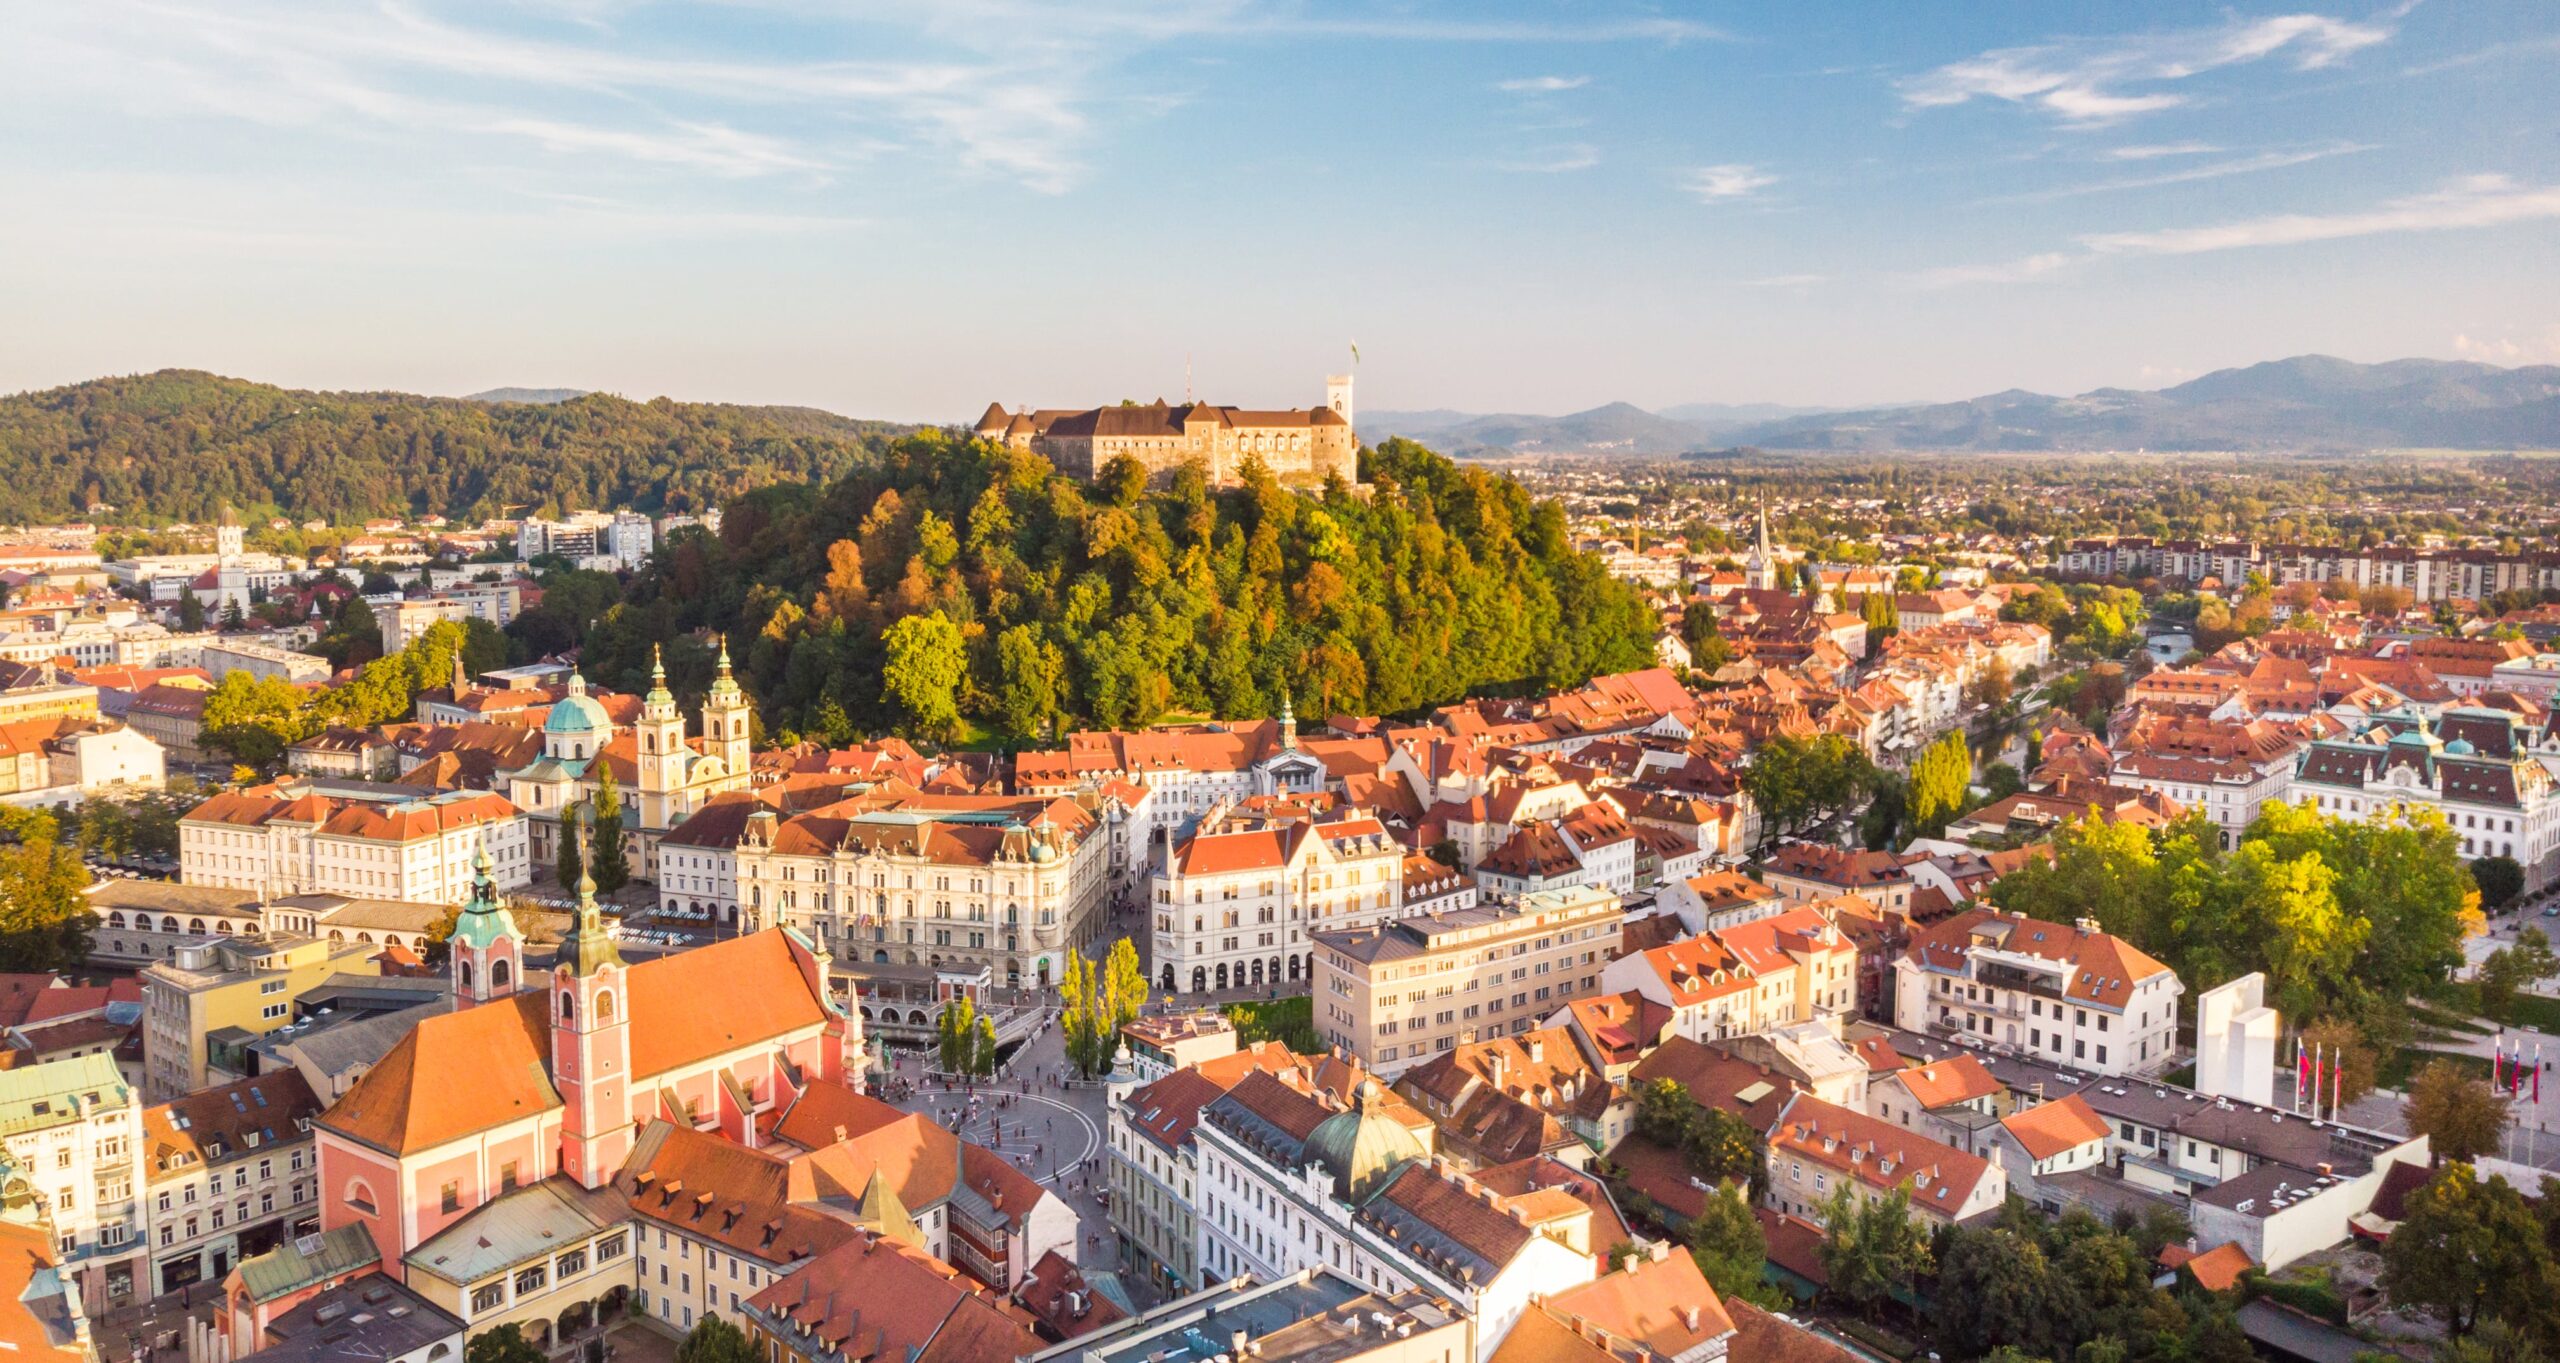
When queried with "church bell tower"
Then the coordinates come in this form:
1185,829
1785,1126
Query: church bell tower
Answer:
591,1044
725,719
487,950
662,755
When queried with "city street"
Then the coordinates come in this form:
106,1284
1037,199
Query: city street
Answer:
1052,1130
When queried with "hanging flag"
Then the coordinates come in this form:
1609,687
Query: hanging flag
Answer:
2498,1064
1355,354
2537,1074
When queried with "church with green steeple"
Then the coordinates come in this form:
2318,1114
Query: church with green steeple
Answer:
662,776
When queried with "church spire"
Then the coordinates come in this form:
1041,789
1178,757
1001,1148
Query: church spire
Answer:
1288,723
725,684
588,948
486,947
659,700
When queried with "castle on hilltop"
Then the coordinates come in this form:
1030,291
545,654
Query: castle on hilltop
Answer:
1301,444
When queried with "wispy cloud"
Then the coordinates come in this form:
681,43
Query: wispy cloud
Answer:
2211,170
2537,348
1785,281
1556,161
1543,85
2091,82
2018,271
1723,183
1007,88
2472,202
2528,47
2153,151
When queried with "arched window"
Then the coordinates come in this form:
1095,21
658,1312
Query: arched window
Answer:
168,924
115,920
195,925
568,1006
604,1003
501,975
360,1196
465,963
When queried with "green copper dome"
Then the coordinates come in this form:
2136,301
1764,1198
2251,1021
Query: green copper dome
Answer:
1363,1148
578,712
484,919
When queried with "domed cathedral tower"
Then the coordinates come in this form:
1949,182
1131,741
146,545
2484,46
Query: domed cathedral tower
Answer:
578,726
229,537
664,758
591,1045
725,721
487,950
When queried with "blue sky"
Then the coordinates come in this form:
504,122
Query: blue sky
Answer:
907,208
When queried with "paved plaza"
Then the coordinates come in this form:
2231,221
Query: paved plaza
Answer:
1052,1130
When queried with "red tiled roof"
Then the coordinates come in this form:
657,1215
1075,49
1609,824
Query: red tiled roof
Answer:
1661,1300
463,1072
2050,1129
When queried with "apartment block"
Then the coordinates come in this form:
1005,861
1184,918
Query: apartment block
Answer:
1395,994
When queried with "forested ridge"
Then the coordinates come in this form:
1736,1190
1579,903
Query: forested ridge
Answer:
958,589
176,445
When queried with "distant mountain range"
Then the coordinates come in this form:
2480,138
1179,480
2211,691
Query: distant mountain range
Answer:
2310,402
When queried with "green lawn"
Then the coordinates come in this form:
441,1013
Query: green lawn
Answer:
2535,1011
2445,1019
2408,1060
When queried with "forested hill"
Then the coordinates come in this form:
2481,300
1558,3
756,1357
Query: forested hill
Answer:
177,445
962,589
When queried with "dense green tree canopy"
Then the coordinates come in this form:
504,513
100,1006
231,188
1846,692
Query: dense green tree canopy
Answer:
179,444
2342,914
1120,607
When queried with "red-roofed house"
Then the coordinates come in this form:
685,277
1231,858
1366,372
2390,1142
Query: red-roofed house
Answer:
2064,995
1234,902
2037,1142
286,839
1818,1147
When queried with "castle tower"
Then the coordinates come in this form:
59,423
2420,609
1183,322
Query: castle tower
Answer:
1337,395
591,1045
725,720
487,950
663,754
229,538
